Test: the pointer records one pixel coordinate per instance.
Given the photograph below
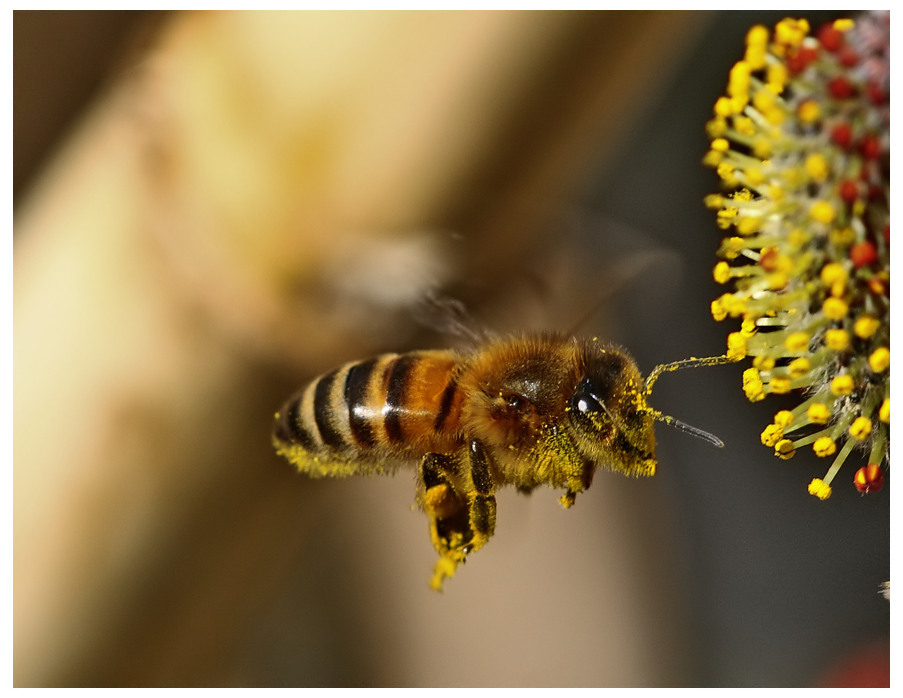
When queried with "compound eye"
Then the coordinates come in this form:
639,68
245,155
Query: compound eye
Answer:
584,400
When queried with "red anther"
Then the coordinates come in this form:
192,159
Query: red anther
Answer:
842,134
869,478
768,259
840,87
876,94
848,57
799,61
829,37
849,191
863,253
870,147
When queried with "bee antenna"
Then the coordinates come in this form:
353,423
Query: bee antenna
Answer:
686,428
692,362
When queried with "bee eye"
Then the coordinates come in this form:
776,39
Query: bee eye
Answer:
515,402
584,399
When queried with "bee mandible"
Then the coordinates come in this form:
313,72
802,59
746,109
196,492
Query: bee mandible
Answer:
525,411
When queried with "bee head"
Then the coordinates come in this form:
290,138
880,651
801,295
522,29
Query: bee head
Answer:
608,413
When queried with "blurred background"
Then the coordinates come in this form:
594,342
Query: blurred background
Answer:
211,209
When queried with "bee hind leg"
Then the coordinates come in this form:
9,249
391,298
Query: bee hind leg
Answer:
447,512
460,504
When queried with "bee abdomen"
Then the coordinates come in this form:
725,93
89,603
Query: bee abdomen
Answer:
369,410
332,417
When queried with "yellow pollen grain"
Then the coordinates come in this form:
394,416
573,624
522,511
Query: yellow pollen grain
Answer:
879,360
818,413
844,24
834,308
865,326
842,385
884,411
824,447
819,488
837,339
861,428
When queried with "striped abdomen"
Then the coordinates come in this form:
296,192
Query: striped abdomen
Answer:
362,415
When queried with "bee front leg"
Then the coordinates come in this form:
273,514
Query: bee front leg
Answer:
577,485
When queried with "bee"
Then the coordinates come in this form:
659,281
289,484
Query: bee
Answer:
524,411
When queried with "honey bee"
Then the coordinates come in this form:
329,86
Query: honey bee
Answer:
524,411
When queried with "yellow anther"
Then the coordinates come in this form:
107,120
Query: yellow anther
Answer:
824,447
799,367
784,449
861,428
798,341
837,339
879,360
834,308
865,326
842,385
819,488
822,212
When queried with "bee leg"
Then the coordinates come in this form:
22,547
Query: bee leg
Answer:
482,500
460,522
577,485
448,513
